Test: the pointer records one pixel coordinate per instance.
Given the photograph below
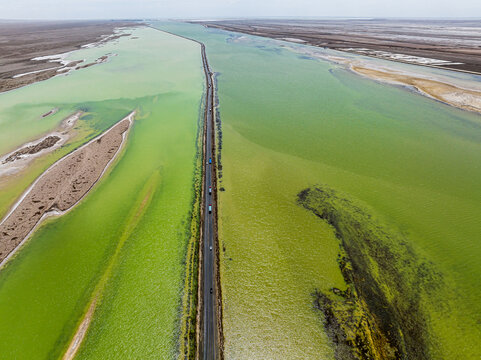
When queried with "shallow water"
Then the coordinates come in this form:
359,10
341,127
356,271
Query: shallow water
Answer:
290,122
143,203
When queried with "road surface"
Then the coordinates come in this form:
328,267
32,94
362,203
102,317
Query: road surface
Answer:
209,337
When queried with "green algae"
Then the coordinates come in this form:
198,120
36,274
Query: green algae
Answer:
136,212
380,315
46,289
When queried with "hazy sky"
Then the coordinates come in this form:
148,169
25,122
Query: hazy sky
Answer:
94,9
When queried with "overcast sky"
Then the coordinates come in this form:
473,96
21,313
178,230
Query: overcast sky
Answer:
113,9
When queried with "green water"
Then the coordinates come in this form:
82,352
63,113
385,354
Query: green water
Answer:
290,122
131,230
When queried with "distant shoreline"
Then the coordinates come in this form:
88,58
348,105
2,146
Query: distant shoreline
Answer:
436,40
32,51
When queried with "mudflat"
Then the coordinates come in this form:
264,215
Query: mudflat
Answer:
452,44
49,141
61,186
22,41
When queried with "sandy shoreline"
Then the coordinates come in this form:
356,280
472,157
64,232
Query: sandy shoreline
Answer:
465,99
61,187
462,95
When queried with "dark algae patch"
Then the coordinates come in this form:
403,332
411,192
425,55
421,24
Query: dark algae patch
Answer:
380,314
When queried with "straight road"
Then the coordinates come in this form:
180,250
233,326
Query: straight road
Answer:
209,282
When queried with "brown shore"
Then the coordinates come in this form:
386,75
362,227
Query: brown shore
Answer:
464,95
61,186
18,160
452,95
22,41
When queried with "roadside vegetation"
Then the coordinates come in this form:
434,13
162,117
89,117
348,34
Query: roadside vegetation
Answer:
188,332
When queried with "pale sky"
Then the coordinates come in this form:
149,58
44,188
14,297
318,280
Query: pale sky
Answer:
114,9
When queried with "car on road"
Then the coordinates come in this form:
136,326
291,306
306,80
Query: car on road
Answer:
210,248
210,208
210,190
211,290
210,160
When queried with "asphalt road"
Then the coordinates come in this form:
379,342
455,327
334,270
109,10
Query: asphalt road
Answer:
209,286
